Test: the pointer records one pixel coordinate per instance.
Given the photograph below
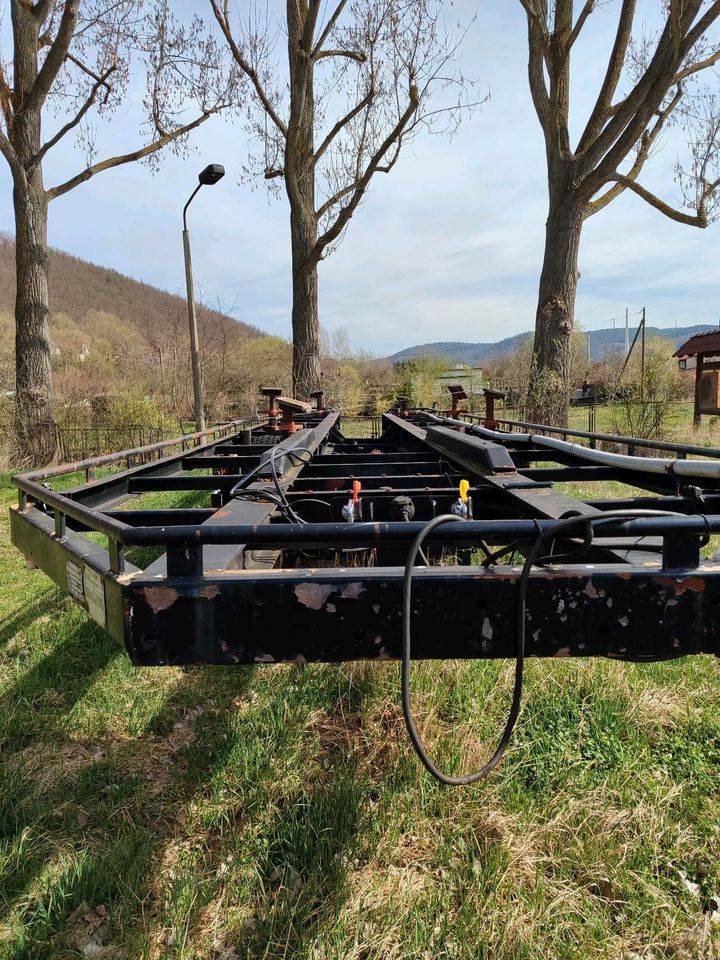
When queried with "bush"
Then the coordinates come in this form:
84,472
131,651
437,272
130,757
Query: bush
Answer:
641,405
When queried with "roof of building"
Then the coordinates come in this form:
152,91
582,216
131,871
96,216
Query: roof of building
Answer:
701,343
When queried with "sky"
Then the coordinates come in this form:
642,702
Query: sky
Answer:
448,246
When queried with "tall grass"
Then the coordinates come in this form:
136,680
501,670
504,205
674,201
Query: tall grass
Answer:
278,812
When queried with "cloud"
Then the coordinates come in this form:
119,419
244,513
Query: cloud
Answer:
448,246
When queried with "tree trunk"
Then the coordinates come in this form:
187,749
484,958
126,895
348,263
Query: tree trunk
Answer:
36,431
550,380
300,187
35,427
305,317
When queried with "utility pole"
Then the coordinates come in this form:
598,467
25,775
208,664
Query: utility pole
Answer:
627,335
208,177
642,357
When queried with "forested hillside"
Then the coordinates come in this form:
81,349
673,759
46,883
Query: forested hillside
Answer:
121,346
81,291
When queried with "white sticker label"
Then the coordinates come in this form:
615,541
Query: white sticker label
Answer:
75,580
95,595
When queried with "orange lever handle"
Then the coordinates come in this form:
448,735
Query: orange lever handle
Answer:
356,488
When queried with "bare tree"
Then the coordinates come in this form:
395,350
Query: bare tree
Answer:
376,64
651,82
71,57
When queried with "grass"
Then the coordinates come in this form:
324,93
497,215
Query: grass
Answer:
278,812
677,425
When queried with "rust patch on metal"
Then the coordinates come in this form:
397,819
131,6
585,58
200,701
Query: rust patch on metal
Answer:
679,587
160,598
313,595
210,592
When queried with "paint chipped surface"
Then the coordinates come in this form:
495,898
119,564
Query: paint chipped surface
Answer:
487,630
623,621
160,598
210,591
562,652
590,590
331,608
265,658
352,591
680,586
313,595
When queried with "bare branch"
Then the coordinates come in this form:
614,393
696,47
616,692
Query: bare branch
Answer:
346,212
602,110
698,220
538,49
7,150
531,9
648,139
55,57
351,54
146,151
703,24
631,116
328,29
5,97
222,18
336,198
71,124
42,9
698,66
580,22
343,122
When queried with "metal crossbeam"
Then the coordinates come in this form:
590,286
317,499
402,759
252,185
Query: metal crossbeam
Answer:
295,546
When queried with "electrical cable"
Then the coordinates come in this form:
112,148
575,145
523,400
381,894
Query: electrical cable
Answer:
497,756
240,491
566,523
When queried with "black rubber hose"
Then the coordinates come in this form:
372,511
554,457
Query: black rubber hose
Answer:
406,656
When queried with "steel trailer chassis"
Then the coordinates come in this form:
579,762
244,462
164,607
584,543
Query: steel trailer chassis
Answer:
237,580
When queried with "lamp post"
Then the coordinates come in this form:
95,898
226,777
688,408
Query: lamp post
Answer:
208,177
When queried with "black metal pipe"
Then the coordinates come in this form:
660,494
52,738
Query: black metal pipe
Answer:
710,452
338,535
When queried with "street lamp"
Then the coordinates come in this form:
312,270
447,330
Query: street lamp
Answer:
208,177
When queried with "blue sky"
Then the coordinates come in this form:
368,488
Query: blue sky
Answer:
449,245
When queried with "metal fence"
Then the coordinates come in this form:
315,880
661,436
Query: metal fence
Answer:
81,443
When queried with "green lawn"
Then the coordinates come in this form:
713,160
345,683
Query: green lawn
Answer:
279,811
676,424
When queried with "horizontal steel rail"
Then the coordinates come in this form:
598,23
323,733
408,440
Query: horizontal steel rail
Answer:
271,544
681,448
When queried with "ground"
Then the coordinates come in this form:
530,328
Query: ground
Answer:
279,812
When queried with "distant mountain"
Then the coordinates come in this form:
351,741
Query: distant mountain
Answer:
471,354
602,342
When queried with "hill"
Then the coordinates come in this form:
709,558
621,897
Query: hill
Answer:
81,291
606,340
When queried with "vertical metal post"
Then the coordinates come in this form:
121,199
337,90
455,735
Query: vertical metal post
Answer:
696,406
627,332
194,345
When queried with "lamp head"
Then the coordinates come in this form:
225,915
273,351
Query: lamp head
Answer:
211,174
